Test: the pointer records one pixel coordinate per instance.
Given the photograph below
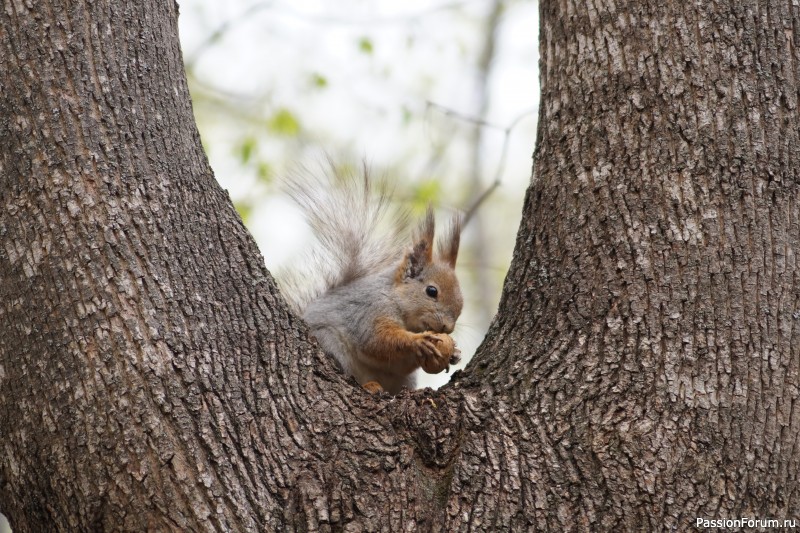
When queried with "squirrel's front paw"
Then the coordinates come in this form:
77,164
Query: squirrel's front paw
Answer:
434,351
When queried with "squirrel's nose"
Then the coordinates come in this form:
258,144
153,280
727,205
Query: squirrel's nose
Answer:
447,326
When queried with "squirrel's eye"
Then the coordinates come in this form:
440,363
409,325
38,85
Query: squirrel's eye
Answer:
431,291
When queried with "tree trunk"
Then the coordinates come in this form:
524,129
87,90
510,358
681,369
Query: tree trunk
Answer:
641,373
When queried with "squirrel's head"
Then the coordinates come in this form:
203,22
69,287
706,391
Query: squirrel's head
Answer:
428,292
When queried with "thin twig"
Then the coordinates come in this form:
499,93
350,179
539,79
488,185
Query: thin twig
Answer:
223,28
498,176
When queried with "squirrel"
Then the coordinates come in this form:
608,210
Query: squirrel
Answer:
383,304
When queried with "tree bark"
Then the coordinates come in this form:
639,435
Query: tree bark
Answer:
642,370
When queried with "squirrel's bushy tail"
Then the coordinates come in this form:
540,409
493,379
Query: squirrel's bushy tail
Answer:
357,231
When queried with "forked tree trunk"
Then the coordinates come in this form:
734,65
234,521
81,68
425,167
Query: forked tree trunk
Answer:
643,369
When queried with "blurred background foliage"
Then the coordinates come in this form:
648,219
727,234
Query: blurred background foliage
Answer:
438,97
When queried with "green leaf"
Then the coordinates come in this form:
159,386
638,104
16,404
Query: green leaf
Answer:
319,81
426,192
283,122
244,209
264,171
246,149
407,116
365,45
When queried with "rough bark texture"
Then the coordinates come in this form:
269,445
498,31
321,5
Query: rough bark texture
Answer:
642,371
648,334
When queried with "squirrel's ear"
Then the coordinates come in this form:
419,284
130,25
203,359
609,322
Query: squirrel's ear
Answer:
448,243
421,253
